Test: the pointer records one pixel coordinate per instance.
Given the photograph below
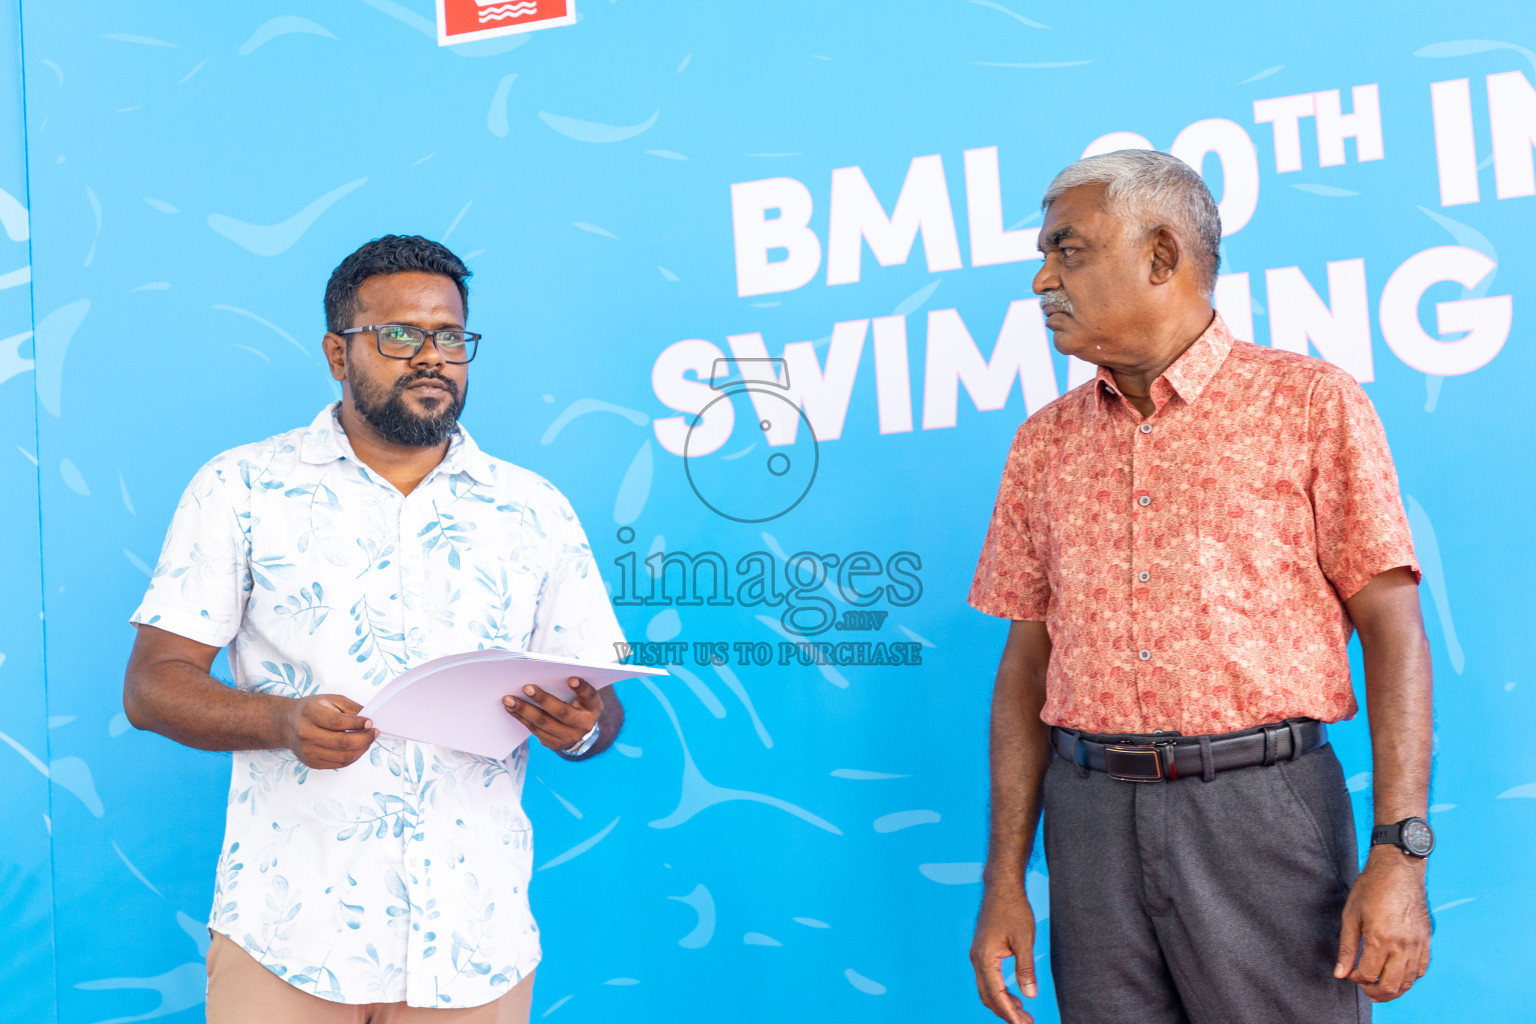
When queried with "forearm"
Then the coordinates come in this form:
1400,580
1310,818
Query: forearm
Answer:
1020,753
1399,695
1399,702
1385,928
181,702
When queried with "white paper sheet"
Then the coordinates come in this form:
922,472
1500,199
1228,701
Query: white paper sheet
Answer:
456,701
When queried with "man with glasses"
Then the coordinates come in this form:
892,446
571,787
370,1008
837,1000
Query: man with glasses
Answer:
368,877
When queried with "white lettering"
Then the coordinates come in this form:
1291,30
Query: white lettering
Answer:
855,215
1512,119
1340,329
990,243
756,235
1022,352
822,394
1239,166
1334,126
1486,320
893,377
1455,147
676,391
1234,301
1285,113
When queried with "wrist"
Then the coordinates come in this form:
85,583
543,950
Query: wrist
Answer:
1389,857
583,746
1001,879
283,721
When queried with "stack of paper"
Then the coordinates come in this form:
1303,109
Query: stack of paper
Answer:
456,701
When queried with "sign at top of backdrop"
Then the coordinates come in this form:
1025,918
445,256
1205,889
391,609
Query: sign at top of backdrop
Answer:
463,21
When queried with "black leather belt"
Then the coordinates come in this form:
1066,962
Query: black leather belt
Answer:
1163,760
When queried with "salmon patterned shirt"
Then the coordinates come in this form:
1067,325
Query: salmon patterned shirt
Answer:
1191,567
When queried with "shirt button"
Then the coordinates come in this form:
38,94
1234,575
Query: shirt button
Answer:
1143,576
1144,655
1144,501
1146,428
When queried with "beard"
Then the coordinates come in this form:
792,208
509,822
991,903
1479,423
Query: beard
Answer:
386,409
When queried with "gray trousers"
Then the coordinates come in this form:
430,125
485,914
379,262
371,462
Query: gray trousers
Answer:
1202,902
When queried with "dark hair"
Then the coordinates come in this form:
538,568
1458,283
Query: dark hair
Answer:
392,254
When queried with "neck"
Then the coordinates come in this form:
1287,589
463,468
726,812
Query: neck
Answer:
1173,339
401,465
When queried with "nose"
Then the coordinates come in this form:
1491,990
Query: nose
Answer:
1046,278
428,355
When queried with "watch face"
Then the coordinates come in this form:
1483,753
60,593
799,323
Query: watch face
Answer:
1417,837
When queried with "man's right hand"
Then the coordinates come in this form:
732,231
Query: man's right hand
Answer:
1005,928
324,730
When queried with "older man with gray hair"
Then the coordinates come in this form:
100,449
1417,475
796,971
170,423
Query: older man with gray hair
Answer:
1184,546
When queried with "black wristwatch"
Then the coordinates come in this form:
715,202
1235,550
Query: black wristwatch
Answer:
1411,835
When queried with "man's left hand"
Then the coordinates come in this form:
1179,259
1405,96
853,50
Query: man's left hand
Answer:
1386,922
556,723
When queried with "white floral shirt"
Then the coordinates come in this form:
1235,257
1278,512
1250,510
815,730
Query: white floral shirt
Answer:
403,876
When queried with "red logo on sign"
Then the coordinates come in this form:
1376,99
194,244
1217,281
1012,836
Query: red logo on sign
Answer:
460,21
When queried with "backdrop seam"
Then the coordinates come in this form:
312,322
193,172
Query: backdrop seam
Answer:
37,440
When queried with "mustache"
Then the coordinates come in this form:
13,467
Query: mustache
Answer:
448,384
1058,298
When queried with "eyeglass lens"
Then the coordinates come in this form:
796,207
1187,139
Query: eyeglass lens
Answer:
403,342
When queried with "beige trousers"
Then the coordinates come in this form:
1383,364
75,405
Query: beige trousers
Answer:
241,991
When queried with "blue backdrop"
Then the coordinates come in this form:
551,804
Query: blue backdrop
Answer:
179,179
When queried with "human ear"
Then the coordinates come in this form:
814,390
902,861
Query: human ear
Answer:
1167,255
335,347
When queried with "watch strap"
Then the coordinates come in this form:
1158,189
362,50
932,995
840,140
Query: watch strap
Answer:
1395,835
582,745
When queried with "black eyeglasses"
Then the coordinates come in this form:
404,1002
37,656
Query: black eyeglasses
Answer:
402,341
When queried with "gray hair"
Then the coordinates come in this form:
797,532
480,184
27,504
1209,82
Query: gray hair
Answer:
1149,189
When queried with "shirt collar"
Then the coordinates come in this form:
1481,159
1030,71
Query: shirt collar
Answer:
325,441
1190,373
465,456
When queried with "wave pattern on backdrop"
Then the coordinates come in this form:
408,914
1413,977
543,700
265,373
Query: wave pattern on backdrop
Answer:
845,195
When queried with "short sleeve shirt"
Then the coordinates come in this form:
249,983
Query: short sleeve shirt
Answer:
403,876
1191,566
